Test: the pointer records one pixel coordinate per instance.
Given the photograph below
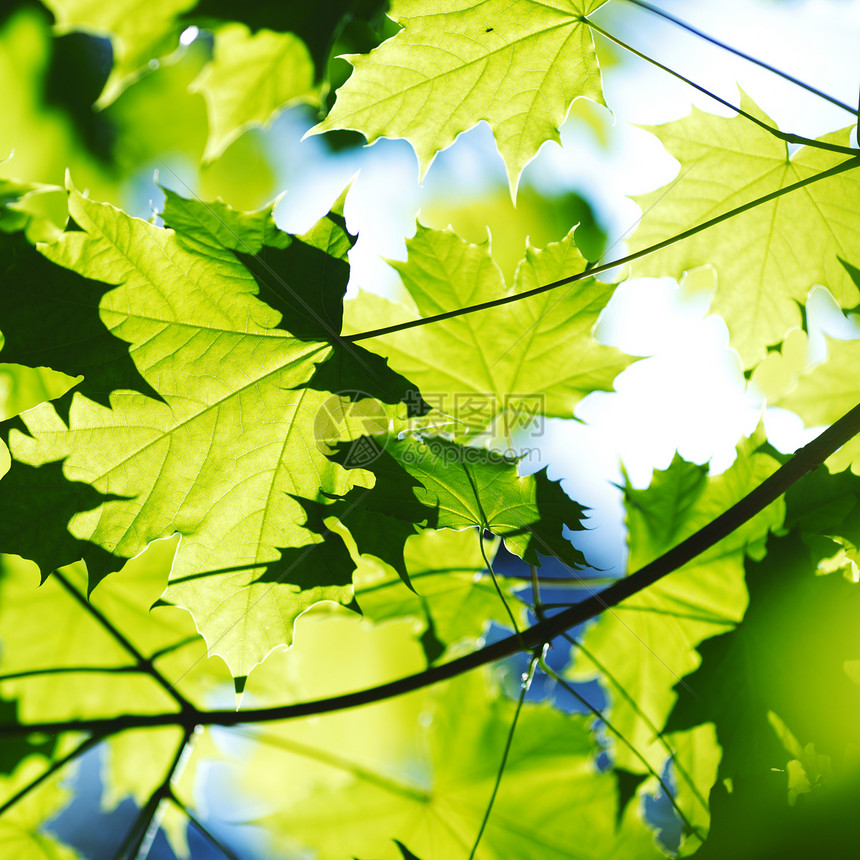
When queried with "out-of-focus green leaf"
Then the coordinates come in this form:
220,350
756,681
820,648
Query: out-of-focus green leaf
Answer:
22,832
647,643
251,79
778,690
68,663
420,769
139,30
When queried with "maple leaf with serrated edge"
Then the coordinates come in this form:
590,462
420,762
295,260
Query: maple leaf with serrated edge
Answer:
518,65
439,484
536,356
649,641
768,258
224,453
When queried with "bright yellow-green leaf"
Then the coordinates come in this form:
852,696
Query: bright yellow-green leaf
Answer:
768,258
24,387
251,79
824,393
220,458
695,760
531,357
518,65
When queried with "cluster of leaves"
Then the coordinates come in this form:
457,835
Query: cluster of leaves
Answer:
208,453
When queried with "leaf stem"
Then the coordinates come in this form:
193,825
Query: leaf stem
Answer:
801,462
524,687
842,167
202,828
787,137
496,583
678,22
641,713
597,713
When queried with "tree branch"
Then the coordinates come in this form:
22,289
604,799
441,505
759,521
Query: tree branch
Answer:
804,460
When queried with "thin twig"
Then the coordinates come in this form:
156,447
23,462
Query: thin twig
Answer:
848,164
691,828
786,137
524,687
748,57
638,710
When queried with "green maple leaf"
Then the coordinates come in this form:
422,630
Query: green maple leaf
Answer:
519,66
768,258
224,453
537,356
824,393
644,645
440,484
250,80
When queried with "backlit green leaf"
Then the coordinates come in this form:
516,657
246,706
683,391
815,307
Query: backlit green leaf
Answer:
217,356
767,259
516,65
521,360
